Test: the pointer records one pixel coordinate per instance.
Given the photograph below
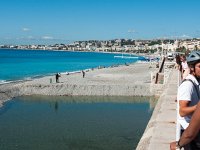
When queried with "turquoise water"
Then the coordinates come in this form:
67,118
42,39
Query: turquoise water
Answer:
23,64
73,123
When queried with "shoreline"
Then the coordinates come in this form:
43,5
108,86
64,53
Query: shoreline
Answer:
31,77
122,80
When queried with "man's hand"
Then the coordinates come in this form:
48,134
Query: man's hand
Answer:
173,146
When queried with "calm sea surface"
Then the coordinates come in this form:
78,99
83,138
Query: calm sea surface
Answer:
24,64
74,123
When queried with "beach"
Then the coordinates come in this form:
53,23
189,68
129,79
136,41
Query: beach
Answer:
124,80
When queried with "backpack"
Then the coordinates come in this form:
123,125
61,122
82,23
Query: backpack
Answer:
196,88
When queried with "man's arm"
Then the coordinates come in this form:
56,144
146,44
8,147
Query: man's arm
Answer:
190,133
184,109
193,129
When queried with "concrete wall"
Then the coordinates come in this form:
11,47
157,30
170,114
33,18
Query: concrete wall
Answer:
90,90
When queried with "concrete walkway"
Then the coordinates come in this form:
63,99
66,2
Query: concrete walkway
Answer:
161,129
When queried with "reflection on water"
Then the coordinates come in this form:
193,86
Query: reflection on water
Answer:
92,99
74,123
56,106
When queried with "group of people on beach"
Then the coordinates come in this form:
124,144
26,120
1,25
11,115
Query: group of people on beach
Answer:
188,97
58,75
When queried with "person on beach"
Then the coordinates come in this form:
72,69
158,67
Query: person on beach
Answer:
188,92
83,73
57,77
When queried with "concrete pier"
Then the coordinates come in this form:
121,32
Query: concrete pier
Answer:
161,129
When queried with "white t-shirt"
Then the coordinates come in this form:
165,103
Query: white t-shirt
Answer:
187,92
184,65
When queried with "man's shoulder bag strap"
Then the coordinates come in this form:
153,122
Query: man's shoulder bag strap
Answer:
196,88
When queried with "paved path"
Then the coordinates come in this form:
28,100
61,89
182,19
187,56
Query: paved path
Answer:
161,129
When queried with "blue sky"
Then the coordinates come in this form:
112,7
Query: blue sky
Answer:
65,21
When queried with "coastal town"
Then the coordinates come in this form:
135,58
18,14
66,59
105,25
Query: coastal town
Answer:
120,45
100,75
156,79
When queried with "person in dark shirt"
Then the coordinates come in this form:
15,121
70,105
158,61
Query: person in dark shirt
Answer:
83,72
57,77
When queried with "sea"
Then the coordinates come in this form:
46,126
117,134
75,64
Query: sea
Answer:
28,64
74,123
68,122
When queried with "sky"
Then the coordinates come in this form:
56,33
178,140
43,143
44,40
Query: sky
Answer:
66,21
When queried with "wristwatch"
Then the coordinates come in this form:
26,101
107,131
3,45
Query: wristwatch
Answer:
178,145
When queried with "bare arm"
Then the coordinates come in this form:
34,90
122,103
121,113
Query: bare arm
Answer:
184,109
190,133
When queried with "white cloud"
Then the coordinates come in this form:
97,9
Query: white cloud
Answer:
131,31
25,29
26,38
30,37
47,38
185,36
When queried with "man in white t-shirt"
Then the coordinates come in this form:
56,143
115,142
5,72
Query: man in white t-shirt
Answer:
188,98
188,91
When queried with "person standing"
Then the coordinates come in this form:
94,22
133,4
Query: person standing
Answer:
185,69
188,92
83,72
57,77
178,62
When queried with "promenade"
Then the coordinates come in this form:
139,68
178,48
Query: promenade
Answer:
161,129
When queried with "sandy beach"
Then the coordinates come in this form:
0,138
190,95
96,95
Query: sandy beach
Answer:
131,80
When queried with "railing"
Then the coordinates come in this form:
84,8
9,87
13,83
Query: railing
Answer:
160,70
178,126
162,65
